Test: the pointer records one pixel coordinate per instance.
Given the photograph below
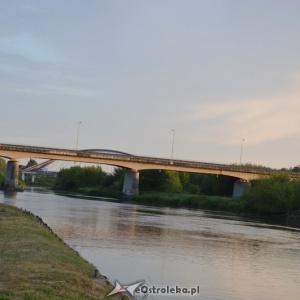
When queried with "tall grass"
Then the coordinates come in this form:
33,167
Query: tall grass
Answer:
190,201
275,195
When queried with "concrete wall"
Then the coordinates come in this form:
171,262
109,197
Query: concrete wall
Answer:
240,187
12,173
131,183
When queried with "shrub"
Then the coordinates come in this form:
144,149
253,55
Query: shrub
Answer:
276,194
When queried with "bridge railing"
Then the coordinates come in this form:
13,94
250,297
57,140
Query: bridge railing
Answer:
147,160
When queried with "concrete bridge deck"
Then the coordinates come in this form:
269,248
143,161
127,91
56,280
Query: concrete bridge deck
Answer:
136,163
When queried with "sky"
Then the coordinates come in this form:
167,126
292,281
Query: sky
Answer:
217,72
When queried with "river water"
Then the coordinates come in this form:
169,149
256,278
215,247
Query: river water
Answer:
223,256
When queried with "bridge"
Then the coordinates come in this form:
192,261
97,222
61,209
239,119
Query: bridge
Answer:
37,170
132,163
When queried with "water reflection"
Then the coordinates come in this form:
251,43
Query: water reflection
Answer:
10,195
229,257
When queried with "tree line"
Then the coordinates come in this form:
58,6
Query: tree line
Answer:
276,194
2,169
164,181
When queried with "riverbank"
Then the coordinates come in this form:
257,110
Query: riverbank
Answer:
191,201
219,203
36,264
281,206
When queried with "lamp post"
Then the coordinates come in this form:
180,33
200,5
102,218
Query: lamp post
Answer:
77,135
241,151
173,144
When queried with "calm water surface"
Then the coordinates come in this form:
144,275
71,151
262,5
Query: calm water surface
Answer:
227,256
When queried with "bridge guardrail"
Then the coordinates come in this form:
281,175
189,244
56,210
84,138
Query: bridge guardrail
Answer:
147,160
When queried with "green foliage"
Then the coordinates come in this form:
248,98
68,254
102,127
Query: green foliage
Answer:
1,179
190,201
277,194
44,180
296,169
210,184
160,180
182,182
76,177
90,181
2,170
254,166
274,195
35,264
115,180
31,163
93,181
2,164
40,180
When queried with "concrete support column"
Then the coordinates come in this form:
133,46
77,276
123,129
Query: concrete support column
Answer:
240,187
23,176
32,178
12,174
131,183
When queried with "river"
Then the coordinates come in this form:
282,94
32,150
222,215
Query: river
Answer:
224,256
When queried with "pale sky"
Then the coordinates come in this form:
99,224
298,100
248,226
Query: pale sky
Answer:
216,72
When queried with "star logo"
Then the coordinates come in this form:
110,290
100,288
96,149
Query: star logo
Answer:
125,289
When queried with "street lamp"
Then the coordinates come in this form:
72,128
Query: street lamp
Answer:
241,151
77,135
173,144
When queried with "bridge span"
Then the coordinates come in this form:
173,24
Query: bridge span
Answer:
131,162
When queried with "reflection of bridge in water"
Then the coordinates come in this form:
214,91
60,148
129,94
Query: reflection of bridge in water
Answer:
133,164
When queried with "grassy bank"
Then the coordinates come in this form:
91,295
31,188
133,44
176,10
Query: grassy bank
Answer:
93,191
36,264
190,201
171,200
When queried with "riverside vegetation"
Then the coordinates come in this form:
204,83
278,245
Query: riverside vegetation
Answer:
275,195
36,264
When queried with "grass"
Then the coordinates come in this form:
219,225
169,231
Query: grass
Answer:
93,191
35,264
190,201
220,203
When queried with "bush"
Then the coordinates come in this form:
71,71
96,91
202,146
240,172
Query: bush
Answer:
278,194
190,201
1,179
75,177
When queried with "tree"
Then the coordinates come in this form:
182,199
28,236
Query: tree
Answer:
76,177
115,180
31,163
2,164
296,169
277,194
160,181
2,169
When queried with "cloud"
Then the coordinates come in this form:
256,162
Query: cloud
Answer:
256,120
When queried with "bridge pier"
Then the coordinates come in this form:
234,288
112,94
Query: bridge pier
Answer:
12,174
32,177
131,183
240,186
